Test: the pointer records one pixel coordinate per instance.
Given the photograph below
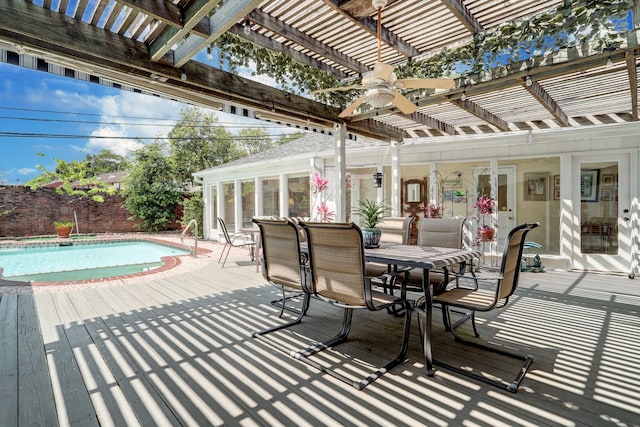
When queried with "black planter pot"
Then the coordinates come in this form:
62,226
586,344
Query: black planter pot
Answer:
371,237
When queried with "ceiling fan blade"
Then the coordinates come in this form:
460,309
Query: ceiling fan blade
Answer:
403,104
382,71
351,108
338,88
425,83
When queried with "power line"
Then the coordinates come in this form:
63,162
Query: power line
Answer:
172,121
71,136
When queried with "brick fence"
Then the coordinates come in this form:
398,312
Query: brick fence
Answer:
32,213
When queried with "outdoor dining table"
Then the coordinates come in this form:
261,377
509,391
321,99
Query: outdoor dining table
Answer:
427,258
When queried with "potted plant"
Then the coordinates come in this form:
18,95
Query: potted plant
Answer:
371,213
486,233
63,228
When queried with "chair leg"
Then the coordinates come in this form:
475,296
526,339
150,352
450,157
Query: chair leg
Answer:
261,334
281,303
514,385
359,384
222,252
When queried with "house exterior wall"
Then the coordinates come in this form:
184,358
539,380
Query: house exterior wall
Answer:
546,153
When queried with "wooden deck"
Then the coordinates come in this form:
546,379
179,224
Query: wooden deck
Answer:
177,351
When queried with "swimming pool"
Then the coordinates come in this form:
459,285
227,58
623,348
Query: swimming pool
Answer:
73,261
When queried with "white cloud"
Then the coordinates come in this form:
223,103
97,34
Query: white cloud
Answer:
26,171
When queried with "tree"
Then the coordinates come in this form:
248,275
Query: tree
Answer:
255,140
76,178
107,161
151,191
197,142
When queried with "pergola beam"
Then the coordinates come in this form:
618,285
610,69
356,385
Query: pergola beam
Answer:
481,113
546,101
422,118
464,15
125,60
225,17
273,45
630,58
172,35
371,25
287,31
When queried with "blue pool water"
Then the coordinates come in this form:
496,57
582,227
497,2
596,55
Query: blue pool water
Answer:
82,261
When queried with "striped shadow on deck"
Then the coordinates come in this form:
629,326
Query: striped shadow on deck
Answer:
178,351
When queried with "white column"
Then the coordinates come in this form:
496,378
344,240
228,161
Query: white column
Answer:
258,205
237,204
341,171
396,209
567,215
220,205
284,195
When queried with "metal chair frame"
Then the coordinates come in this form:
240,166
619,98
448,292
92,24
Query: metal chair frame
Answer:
343,234
278,269
476,299
230,242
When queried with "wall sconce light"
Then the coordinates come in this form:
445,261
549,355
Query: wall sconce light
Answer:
377,180
209,54
246,27
183,76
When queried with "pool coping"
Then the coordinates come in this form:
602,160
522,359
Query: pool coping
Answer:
168,262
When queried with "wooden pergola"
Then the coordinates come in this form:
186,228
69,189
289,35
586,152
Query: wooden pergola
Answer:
148,46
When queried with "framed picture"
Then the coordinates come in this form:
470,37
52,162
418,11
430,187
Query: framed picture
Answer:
608,180
607,193
589,185
535,186
556,194
556,180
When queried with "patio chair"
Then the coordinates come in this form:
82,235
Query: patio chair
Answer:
336,265
439,232
235,240
395,230
282,266
475,299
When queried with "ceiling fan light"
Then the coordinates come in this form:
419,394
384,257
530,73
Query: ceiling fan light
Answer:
379,4
379,97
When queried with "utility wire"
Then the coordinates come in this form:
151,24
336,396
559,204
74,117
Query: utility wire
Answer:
70,136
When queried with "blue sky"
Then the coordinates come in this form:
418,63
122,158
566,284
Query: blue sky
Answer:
63,104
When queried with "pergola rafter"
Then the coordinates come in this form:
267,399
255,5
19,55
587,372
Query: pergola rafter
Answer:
149,44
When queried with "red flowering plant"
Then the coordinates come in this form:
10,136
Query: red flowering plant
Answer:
432,210
485,205
318,183
324,213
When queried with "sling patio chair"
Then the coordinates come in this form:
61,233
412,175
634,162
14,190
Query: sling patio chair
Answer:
279,267
477,299
235,240
283,266
438,232
395,230
337,270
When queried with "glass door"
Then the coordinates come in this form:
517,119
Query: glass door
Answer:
601,221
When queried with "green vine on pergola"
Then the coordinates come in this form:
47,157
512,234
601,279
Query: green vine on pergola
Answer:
576,22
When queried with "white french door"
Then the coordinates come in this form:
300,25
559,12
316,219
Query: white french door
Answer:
601,215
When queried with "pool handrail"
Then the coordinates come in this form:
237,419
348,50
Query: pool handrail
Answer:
194,251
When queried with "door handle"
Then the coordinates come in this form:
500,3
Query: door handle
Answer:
626,218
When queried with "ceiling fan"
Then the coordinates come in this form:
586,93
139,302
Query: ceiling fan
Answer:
381,86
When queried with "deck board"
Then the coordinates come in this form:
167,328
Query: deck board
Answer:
35,394
8,360
177,350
